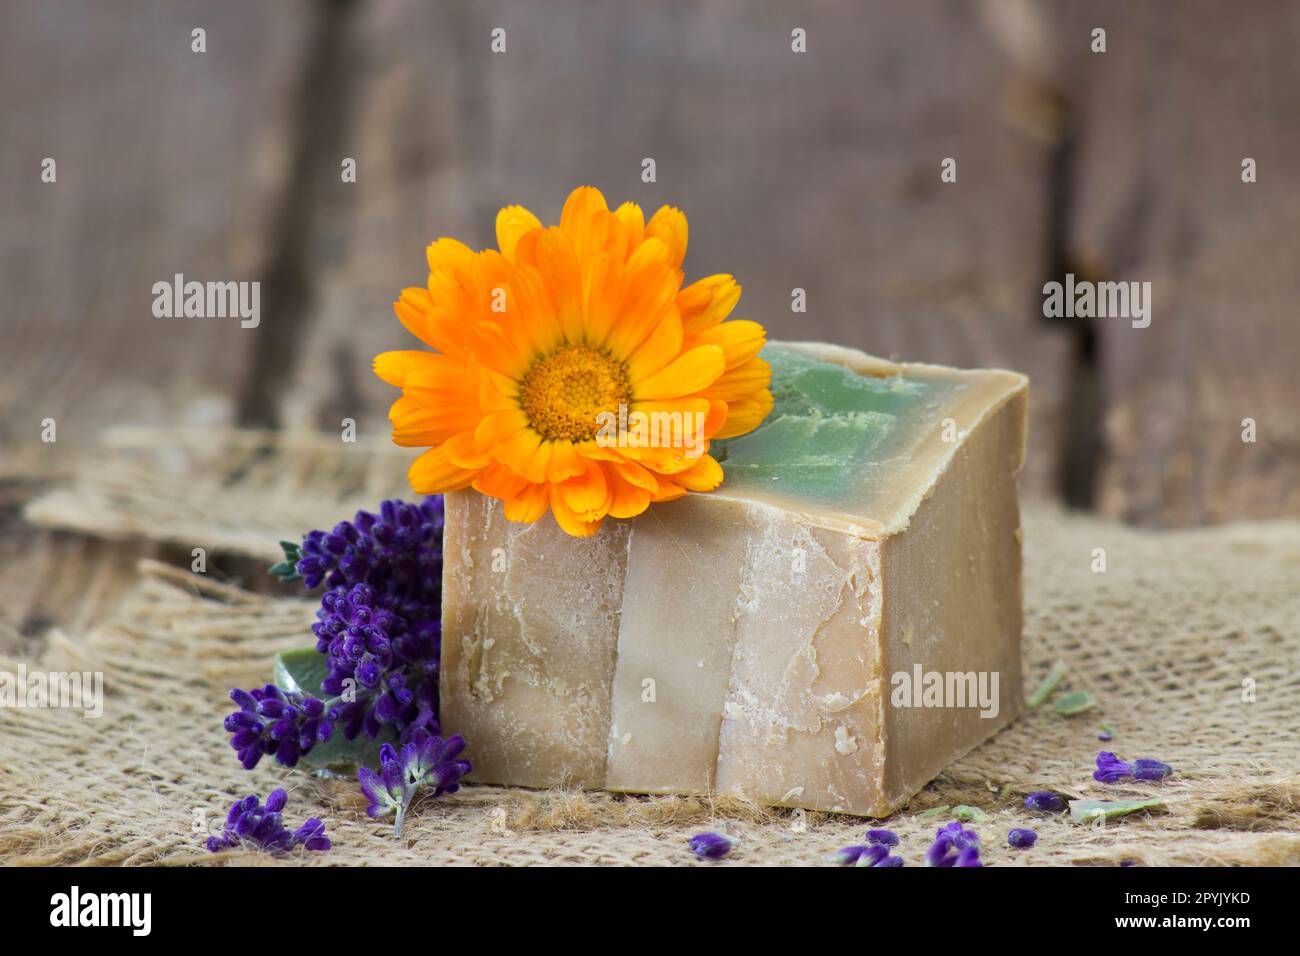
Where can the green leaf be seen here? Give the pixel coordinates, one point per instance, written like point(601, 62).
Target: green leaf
point(287, 570)
point(969, 814)
point(1076, 703)
point(1084, 811)
point(1047, 686)
point(940, 811)
point(303, 669)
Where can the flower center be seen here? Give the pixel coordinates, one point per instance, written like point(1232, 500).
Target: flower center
point(563, 393)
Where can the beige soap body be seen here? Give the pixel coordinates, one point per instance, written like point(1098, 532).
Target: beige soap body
point(756, 639)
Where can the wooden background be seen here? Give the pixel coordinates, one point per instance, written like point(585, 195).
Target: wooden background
point(817, 170)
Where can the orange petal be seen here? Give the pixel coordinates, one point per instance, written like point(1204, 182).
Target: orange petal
point(416, 425)
point(499, 426)
point(565, 517)
point(498, 481)
point(587, 495)
point(593, 451)
point(660, 347)
point(634, 474)
point(746, 415)
point(584, 220)
point(433, 474)
point(739, 339)
point(741, 382)
point(496, 393)
point(416, 311)
point(463, 452)
point(704, 475)
point(565, 461)
point(707, 302)
point(669, 224)
point(680, 424)
point(448, 254)
point(536, 467)
point(627, 500)
point(605, 284)
point(513, 222)
point(668, 491)
point(527, 505)
point(395, 367)
point(518, 451)
point(649, 294)
point(631, 216)
point(532, 312)
point(691, 372)
point(558, 266)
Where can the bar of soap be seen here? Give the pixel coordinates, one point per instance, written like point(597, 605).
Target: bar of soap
point(829, 629)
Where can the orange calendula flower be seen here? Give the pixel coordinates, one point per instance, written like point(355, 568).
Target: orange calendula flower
point(571, 370)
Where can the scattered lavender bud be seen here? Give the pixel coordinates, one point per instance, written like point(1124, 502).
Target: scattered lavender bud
point(873, 855)
point(882, 837)
point(968, 857)
point(1110, 769)
point(711, 846)
point(1044, 801)
point(1022, 839)
point(249, 823)
point(849, 855)
point(954, 846)
point(878, 855)
point(1144, 769)
point(1104, 733)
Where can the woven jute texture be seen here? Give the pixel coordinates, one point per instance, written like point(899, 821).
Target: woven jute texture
point(1190, 641)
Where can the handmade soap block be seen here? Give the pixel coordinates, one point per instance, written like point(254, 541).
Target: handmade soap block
point(829, 629)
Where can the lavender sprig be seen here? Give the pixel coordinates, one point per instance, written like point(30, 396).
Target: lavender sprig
point(426, 761)
point(249, 823)
point(379, 627)
point(272, 721)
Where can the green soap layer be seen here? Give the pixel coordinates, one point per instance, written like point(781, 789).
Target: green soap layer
point(831, 431)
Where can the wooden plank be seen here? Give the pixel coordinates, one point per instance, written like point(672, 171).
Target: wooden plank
point(167, 161)
point(816, 170)
point(1166, 115)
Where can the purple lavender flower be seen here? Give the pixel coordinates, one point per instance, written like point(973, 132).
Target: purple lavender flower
point(954, 846)
point(390, 663)
point(1110, 769)
point(711, 846)
point(379, 626)
point(272, 721)
point(882, 837)
point(425, 761)
point(1022, 839)
point(398, 552)
point(249, 823)
point(1044, 801)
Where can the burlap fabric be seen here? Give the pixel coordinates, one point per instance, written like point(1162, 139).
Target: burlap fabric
point(1165, 638)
